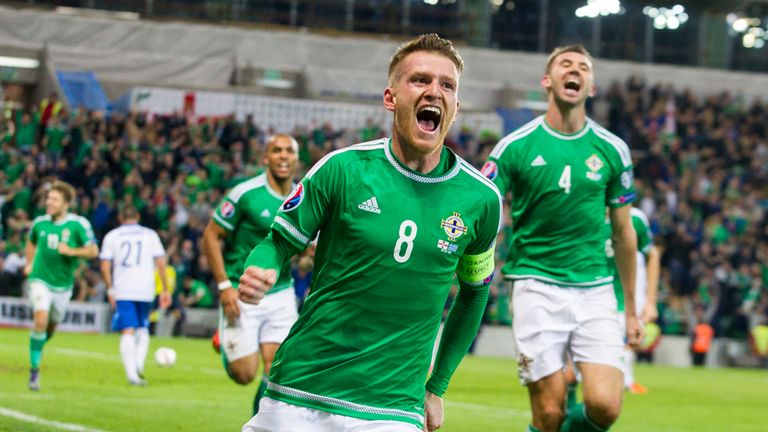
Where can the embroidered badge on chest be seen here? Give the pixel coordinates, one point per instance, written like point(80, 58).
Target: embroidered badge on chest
point(454, 226)
point(594, 163)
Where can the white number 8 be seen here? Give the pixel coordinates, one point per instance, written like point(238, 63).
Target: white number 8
point(406, 239)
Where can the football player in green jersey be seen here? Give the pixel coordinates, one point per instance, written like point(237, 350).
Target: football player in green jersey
point(396, 219)
point(57, 242)
point(241, 221)
point(562, 170)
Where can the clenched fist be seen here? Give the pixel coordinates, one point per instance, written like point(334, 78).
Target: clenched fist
point(255, 282)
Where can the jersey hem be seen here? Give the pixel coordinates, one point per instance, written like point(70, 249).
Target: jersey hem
point(340, 406)
point(564, 284)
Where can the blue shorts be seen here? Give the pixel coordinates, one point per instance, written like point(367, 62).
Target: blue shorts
point(131, 314)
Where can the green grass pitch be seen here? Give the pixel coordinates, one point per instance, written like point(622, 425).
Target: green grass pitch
point(84, 389)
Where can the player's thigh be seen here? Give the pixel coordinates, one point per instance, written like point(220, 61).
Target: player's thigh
point(542, 322)
point(598, 338)
point(240, 337)
point(40, 296)
point(126, 315)
point(276, 416)
point(278, 315)
point(143, 309)
point(59, 303)
point(603, 386)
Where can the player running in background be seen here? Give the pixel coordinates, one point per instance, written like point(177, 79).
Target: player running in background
point(129, 256)
point(242, 221)
point(397, 218)
point(646, 290)
point(563, 169)
point(57, 241)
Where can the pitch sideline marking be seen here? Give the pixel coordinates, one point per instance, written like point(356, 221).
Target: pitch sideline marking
point(18, 415)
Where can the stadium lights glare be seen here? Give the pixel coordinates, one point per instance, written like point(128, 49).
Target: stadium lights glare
point(754, 36)
point(595, 8)
point(19, 62)
point(666, 18)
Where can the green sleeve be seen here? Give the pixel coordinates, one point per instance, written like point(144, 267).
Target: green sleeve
point(227, 215)
point(33, 234)
point(272, 253)
point(459, 331)
point(644, 235)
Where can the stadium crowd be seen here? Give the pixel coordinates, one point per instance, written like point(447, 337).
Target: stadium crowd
point(701, 167)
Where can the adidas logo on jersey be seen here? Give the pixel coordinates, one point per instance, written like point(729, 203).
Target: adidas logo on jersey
point(539, 161)
point(266, 213)
point(370, 205)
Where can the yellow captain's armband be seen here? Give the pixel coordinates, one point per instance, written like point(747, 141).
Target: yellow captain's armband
point(476, 269)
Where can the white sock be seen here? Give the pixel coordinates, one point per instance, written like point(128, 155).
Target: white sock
point(128, 354)
point(142, 347)
point(629, 367)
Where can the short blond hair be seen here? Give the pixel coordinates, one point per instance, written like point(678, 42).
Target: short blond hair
point(429, 42)
point(65, 189)
point(577, 48)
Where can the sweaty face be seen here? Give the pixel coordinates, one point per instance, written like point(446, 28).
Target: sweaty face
point(424, 97)
point(282, 157)
point(571, 79)
point(55, 205)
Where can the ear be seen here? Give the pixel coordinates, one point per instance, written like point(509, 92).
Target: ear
point(593, 91)
point(389, 99)
point(546, 82)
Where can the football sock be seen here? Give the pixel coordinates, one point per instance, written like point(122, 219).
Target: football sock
point(578, 421)
point(570, 400)
point(128, 354)
point(629, 366)
point(142, 347)
point(36, 342)
point(259, 395)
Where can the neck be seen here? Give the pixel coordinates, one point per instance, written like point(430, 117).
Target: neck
point(131, 222)
point(283, 187)
point(58, 216)
point(564, 118)
point(420, 162)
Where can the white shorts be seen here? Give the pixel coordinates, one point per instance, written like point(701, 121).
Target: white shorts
point(551, 321)
point(266, 322)
point(276, 416)
point(53, 302)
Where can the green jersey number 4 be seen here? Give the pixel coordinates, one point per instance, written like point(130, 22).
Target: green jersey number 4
point(404, 244)
point(565, 179)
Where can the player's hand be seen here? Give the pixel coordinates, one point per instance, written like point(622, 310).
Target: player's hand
point(27, 269)
point(650, 313)
point(164, 301)
point(635, 331)
point(64, 249)
point(433, 412)
point(255, 282)
point(229, 304)
point(112, 302)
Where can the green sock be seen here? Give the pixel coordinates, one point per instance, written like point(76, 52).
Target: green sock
point(36, 342)
point(578, 421)
point(570, 402)
point(259, 395)
point(531, 429)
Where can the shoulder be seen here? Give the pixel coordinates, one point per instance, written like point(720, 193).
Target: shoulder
point(613, 142)
point(517, 137)
point(79, 220)
point(349, 154)
point(241, 189)
point(486, 188)
point(40, 220)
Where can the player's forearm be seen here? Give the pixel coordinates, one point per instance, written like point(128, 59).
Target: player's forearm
point(87, 252)
point(653, 270)
point(211, 245)
point(106, 273)
point(459, 331)
point(625, 247)
point(29, 251)
point(271, 253)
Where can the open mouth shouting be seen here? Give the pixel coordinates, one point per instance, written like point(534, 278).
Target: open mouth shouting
point(572, 86)
point(428, 118)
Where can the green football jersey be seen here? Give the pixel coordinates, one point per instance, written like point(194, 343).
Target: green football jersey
point(560, 186)
point(247, 213)
point(51, 268)
point(644, 245)
point(390, 241)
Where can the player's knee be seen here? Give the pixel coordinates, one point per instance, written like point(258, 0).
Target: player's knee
point(241, 376)
point(551, 416)
point(604, 412)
